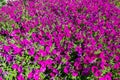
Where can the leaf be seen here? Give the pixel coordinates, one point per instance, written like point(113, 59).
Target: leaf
point(53, 46)
point(107, 69)
point(94, 34)
point(97, 52)
point(63, 60)
point(69, 77)
point(79, 42)
point(117, 3)
point(42, 75)
point(32, 30)
point(2, 38)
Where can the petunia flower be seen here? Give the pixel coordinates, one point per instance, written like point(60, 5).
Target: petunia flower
point(54, 51)
point(47, 49)
point(20, 69)
point(16, 49)
point(1, 78)
point(85, 71)
point(116, 66)
point(20, 77)
point(108, 77)
point(42, 53)
point(0, 70)
point(36, 57)
point(74, 73)
point(42, 68)
point(30, 75)
point(66, 69)
point(48, 61)
point(94, 69)
point(102, 78)
point(78, 49)
point(36, 74)
point(52, 74)
point(15, 66)
point(55, 70)
point(6, 48)
point(9, 58)
point(98, 73)
point(117, 58)
point(31, 51)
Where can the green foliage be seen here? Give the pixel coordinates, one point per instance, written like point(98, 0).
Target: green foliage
point(2, 38)
point(11, 75)
point(107, 69)
point(6, 26)
point(27, 17)
point(42, 75)
point(2, 2)
point(117, 3)
point(6, 67)
point(97, 52)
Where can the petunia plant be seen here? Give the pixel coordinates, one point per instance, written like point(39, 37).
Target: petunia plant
point(60, 40)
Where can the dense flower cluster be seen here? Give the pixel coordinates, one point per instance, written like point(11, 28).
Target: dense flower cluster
point(60, 39)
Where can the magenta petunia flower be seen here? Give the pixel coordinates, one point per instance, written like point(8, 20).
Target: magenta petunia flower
point(74, 73)
point(49, 35)
point(108, 77)
point(31, 51)
point(20, 69)
point(36, 74)
point(1, 78)
point(0, 70)
point(25, 42)
point(36, 57)
point(6, 48)
point(47, 49)
point(86, 71)
point(102, 65)
point(54, 51)
point(42, 53)
point(94, 69)
point(102, 78)
point(15, 66)
point(48, 61)
point(42, 68)
point(16, 49)
point(66, 69)
point(52, 74)
point(8, 58)
point(55, 70)
point(20, 77)
point(117, 58)
point(30, 75)
point(116, 66)
point(78, 49)
point(98, 73)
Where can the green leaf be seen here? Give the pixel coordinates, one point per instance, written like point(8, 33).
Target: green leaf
point(56, 78)
point(117, 3)
point(94, 34)
point(97, 52)
point(26, 71)
point(107, 69)
point(2, 38)
point(32, 30)
point(42, 75)
point(63, 60)
point(53, 46)
point(12, 41)
point(79, 42)
point(59, 67)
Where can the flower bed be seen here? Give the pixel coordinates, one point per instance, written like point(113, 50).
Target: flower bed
point(60, 40)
